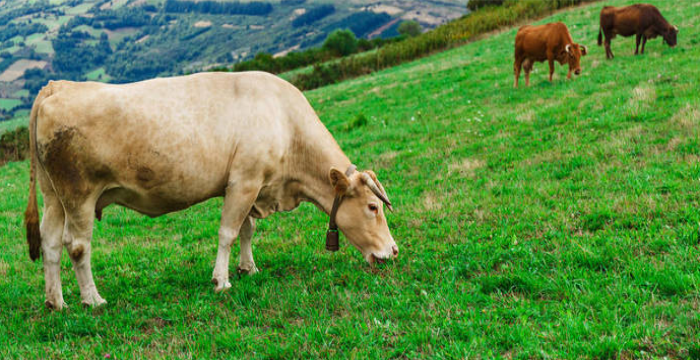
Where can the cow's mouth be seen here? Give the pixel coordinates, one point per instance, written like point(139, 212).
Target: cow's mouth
point(378, 259)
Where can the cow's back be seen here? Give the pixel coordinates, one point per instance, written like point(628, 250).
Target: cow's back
point(173, 138)
point(533, 42)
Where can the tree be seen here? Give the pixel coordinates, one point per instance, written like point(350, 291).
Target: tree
point(410, 28)
point(341, 43)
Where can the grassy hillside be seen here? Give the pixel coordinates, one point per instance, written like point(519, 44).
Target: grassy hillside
point(556, 221)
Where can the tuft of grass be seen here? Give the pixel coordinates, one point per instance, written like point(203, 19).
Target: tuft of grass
point(360, 120)
point(556, 221)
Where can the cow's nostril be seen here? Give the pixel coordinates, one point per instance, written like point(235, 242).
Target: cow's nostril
point(578, 72)
point(395, 250)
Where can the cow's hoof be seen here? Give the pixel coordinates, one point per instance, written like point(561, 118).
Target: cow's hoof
point(247, 269)
point(220, 285)
point(94, 303)
point(51, 305)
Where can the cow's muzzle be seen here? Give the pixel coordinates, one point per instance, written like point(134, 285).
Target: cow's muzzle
point(577, 71)
point(381, 259)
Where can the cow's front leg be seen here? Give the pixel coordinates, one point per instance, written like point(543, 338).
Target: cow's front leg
point(246, 263)
point(608, 49)
point(238, 201)
point(636, 48)
point(644, 43)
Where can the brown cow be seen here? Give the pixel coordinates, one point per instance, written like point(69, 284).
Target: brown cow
point(643, 20)
point(546, 42)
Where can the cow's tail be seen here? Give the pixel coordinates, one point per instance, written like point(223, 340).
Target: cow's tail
point(600, 36)
point(31, 215)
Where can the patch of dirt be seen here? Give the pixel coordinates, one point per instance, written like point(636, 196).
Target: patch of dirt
point(287, 51)
point(687, 118)
point(642, 97)
point(381, 29)
point(466, 167)
point(16, 70)
point(526, 116)
point(379, 8)
point(137, 3)
point(202, 24)
point(431, 202)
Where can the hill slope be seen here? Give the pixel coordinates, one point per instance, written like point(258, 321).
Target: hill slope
point(130, 40)
point(554, 221)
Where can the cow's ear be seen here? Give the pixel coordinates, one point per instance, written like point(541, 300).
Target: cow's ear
point(584, 50)
point(340, 182)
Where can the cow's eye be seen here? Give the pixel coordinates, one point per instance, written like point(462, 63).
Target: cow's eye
point(373, 208)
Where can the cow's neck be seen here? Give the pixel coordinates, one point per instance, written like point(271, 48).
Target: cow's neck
point(314, 169)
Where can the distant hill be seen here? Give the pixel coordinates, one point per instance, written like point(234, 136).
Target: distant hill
point(130, 40)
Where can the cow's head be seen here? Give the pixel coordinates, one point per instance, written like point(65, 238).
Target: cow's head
point(670, 36)
point(360, 215)
point(573, 53)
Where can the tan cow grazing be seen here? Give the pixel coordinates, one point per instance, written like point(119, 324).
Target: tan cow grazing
point(546, 42)
point(162, 145)
point(642, 20)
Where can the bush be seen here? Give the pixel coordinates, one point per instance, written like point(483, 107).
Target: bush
point(341, 43)
point(474, 5)
point(14, 145)
point(410, 28)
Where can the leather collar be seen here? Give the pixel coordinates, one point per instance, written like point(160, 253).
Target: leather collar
point(332, 236)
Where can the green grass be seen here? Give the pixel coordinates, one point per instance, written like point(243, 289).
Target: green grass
point(556, 221)
point(8, 104)
point(98, 75)
point(21, 93)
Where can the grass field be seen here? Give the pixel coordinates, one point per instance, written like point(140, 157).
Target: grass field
point(8, 104)
point(556, 221)
point(98, 75)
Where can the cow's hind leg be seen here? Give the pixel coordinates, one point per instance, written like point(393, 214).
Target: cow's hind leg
point(517, 68)
point(644, 43)
point(238, 201)
point(246, 263)
point(77, 239)
point(527, 66)
point(52, 233)
point(637, 40)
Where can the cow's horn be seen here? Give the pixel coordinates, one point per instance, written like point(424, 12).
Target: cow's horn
point(373, 185)
point(567, 48)
point(675, 28)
